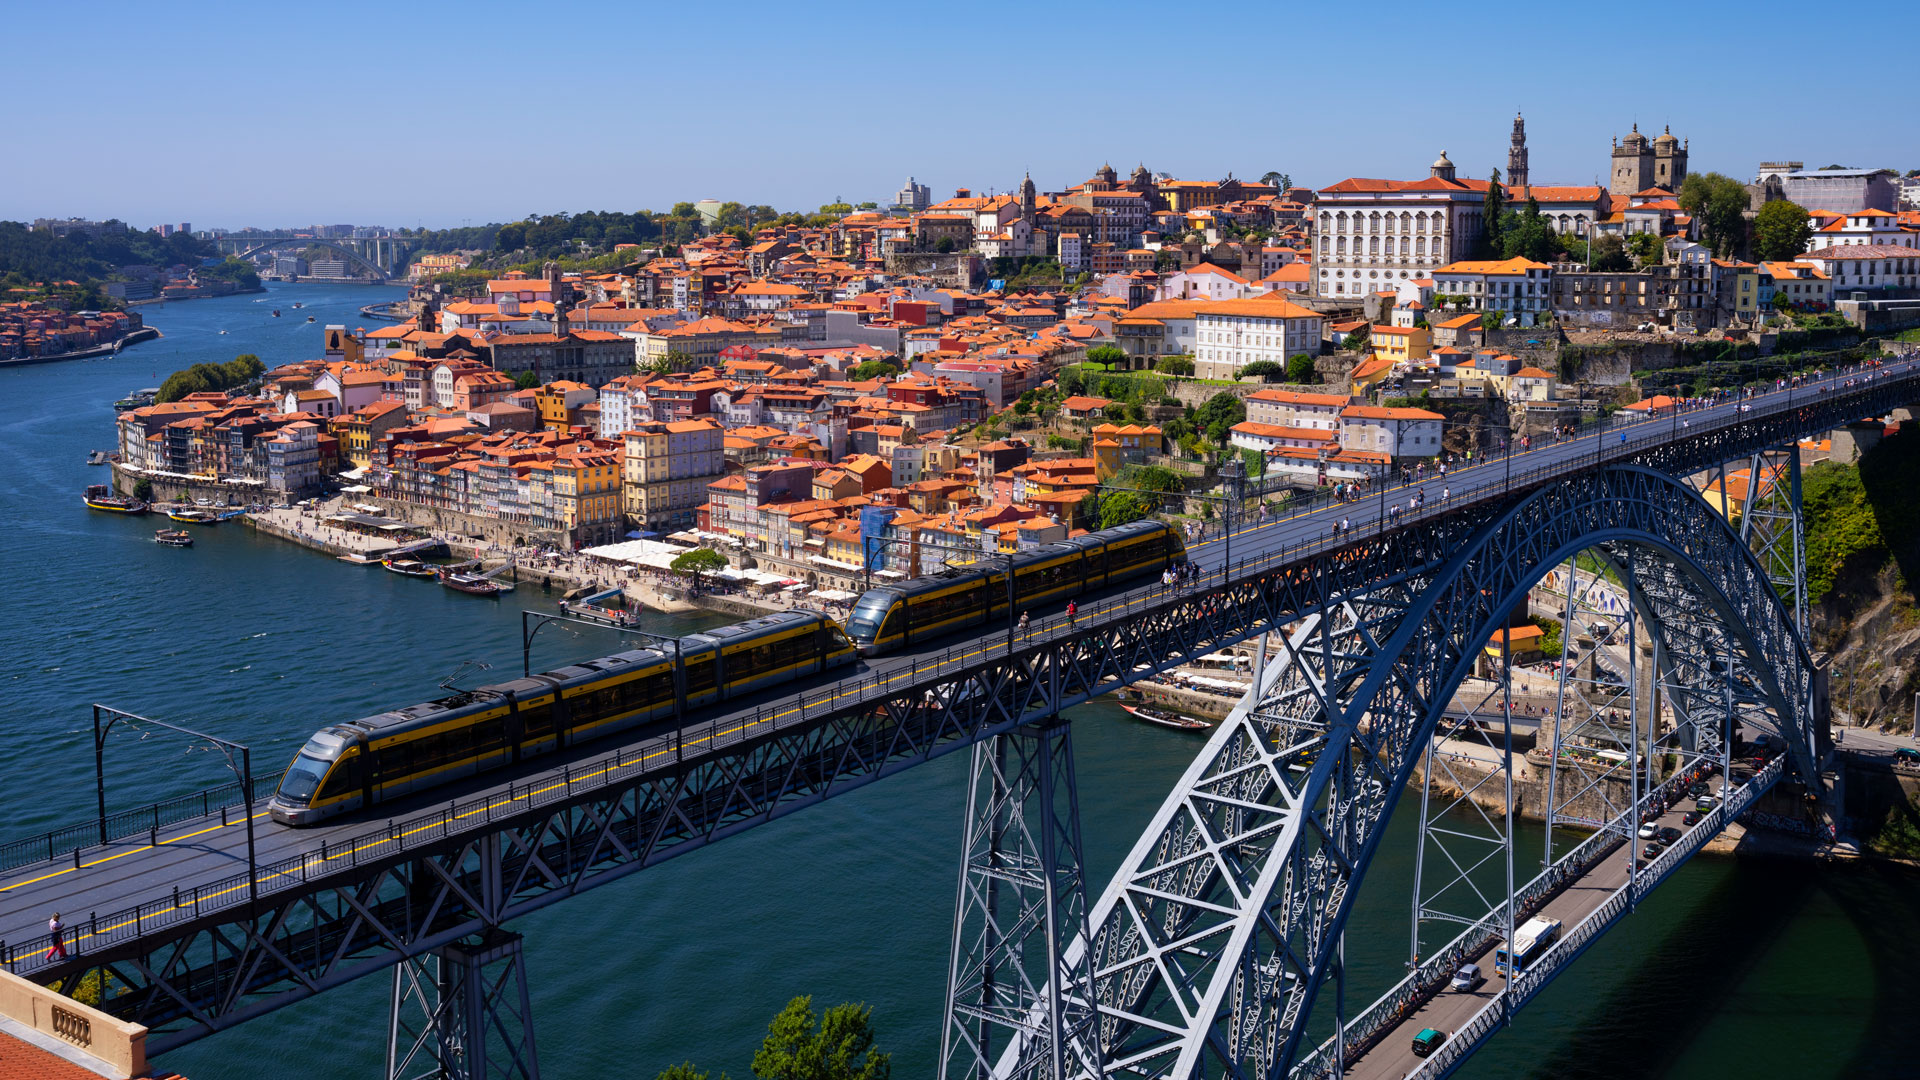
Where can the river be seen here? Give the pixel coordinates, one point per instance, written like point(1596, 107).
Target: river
point(1735, 967)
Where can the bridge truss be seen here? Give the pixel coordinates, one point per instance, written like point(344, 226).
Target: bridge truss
point(1206, 954)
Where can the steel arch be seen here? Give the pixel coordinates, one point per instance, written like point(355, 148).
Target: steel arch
point(1210, 945)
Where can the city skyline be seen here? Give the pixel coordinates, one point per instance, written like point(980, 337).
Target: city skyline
point(304, 151)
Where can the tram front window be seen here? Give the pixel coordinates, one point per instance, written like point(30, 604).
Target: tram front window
point(867, 616)
point(302, 779)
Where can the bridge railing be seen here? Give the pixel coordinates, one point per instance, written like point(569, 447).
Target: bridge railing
point(1534, 978)
point(70, 841)
point(672, 750)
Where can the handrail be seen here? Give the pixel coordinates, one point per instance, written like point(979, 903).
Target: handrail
point(671, 750)
point(71, 840)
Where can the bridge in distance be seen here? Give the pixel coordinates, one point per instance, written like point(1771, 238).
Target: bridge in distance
point(1207, 954)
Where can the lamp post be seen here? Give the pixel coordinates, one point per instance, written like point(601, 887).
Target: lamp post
point(1233, 480)
point(242, 771)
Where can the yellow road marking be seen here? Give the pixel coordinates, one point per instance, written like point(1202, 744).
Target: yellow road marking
point(124, 854)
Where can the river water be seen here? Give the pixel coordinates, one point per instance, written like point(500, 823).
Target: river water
point(1735, 967)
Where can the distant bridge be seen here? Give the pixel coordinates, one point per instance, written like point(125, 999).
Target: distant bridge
point(382, 257)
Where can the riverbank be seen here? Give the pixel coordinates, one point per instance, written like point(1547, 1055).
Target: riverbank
point(145, 333)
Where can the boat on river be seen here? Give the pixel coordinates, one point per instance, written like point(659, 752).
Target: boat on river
point(410, 568)
point(136, 400)
point(193, 515)
point(101, 497)
point(173, 537)
point(471, 584)
point(1167, 719)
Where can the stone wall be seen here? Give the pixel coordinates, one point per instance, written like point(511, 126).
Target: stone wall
point(167, 490)
point(451, 523)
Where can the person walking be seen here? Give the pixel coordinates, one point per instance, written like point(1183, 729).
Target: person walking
point(55, 929)
point(1023, 622)
point(1073, 609)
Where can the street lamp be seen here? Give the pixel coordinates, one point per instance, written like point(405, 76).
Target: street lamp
point(242, 771)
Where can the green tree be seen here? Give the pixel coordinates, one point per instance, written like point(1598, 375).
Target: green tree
point(1356, 341)
point(1300, 368)
point(1220, 433)
point(1256, 462)
point(1609, 255)
point(840, 1049)
point(1262, 369)
point(1720, 202)
point(684, 1071)
point(1151, 478)
point(143, 489)
point(1781, 302)
point(1781, 230)
point(1223, 408)
point(525, 380)
point(1106, 354)
point(1022, 408)
point(1646, 249)
point(696, 562)
point(874, 369)
point(1527, 235)
point(1491, 320)
point(1277, 179)
point(944, 245)
point(1174, 365)
point(1491, 242)
point(1116, 509)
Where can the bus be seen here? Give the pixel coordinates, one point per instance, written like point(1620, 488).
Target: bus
point(1529, 941)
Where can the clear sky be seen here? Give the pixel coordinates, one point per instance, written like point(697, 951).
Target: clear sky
point(404, 113)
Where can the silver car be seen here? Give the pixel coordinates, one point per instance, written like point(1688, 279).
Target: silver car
point(1467, 978)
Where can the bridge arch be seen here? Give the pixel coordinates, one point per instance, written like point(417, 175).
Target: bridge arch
point(352, 256)
point(1210, 947)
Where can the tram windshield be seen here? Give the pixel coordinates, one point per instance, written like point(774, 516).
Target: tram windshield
point(302, 778)
point(867, 616)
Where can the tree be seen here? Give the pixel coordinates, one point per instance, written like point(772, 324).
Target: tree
point(1720, 202)
point(1781, 303)
point(1491, 242)
point(842, 1048)
point(525, 380)
point(684, 1071)
point(874, 369)
point(1116, 509)
point(1277, 179)
point(1262, 369)
point(1152, 478)
point(1527, 235)
point(1608, 255)
point(1256, 463)
point(1781, 230)
point(1492, 320)
point(1646, 249)
point(1223, 408)
point(1174, 365)
point(1300, 368)
point(697, 562)
point(944, 245)
point(1116, 412)
point(1356, 341)
point(1022, 408)
point(1106, 354)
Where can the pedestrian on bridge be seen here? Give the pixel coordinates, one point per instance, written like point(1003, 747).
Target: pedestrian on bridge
point(1073, 609)
point(54, 930)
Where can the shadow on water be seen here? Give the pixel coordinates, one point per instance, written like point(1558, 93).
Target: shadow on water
point(1880, 901)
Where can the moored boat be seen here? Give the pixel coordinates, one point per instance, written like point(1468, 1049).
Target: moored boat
point(472, 584)
point(173, 537)
point(410, 568)
point(1167, 719)
point(101, 497)
point(193, 515)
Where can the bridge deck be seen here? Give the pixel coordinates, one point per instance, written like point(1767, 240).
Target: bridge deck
point(117, 877)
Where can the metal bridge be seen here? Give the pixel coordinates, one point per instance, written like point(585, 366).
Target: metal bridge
point(380, 256)
point(1216, 950)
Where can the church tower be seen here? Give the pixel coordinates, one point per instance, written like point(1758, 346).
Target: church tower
point(1669, 161)
point(1028, 197)
point(1632, 165)
point(1517, 155)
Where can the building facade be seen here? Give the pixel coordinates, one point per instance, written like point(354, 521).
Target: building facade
point(1374, 234)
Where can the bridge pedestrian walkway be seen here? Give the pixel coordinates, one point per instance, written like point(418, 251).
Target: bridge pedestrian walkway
point(1587, 890)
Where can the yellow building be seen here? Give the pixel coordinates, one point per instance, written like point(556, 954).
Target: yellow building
point(559, 402)
point(1401, 344)
point(586, 495)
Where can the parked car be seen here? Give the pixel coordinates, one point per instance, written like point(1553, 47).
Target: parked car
point(1650, 830)
point(1428, 1041)
point(1467, 978)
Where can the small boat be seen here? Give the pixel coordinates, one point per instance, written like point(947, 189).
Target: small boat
point(471, 584)
point(223, 332)
point(276, 313)
point(1167, 719)
point(173, 537)
point(135, 400)
point(309, 319)
point(298, 304)
point(101, 497)
point(410, 568)
point(193, 515)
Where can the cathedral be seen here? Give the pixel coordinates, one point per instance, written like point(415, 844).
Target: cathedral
point(1640, 163)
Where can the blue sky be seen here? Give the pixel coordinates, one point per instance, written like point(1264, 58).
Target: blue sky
point(403, 114)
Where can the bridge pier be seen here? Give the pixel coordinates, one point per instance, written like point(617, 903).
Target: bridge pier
point(1019, 1001)
point(461, 1012)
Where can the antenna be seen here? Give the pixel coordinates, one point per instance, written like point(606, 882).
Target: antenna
point(447, 683)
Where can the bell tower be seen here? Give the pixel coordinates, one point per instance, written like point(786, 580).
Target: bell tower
point(1517, 154)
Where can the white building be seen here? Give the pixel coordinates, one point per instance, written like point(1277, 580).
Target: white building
point(1521, 288)
point(1570, 211)
point(1373, 234)
point(1231, 334)
point(1861, 228)
point(1395, 432)
point(1204, 281)
point(1291, 408)
point(622, 402)
point(1875, 266)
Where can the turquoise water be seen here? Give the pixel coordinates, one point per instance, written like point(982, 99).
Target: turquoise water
point(1735, 968)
